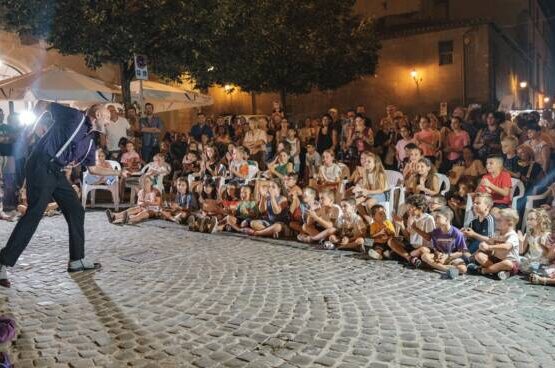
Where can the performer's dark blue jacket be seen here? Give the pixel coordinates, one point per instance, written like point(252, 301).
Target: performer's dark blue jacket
point(71, 129)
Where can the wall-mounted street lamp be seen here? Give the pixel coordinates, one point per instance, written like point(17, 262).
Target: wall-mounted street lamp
point(416, 77)
point(229, 89)
point(523, 84)
point(546, 99)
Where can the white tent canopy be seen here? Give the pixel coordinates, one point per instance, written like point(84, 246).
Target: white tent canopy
point(56, 83)
point(168, 98)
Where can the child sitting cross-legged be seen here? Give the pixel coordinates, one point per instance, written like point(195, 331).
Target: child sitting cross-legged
point(184, 203)
point(320, 221)
point(500, 255)
point(411, 245)
point(300, 207)
point(381, 231)
point(148, 206)
point(350, 229)
point(242, 214)
point(448, 245)
point(535, 246)
point(482, 227)
point(274, 210)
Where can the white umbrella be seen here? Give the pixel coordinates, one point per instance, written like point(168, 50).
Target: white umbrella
point(56, 83)
point(168, 98)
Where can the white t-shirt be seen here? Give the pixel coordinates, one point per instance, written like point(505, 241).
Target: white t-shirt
point(115, 130)
point(512, 238)
point(425, 223)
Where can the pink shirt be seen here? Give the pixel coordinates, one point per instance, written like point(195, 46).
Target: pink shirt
point(457, 141)
point(428, 137)
point(127, 157)
point(400, 148)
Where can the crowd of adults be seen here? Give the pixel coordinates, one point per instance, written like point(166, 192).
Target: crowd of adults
point(328, 181)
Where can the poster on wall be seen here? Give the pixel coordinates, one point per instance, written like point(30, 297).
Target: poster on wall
point(443, 109)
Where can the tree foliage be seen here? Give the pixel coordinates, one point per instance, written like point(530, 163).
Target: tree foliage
point(287, 46)
point(169, 33)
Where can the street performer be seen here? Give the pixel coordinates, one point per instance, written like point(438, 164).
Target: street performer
point(69, 141)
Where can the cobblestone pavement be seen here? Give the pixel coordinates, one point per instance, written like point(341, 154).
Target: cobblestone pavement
point(171, 298)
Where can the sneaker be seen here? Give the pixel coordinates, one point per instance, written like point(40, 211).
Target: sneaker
point(503, 275)
point(212, 225)
point(415, 262)
point(452, 273)
point(473, 268)
point(4, 277)
point(387, 254)
point(203, 226)
point(82, 265)
point(374, 255)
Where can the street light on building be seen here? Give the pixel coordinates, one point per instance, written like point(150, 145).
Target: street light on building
point(546, 99)
point(415, 77)
point(523, 84)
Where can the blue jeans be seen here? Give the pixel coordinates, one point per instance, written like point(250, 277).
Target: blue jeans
point(148, 152)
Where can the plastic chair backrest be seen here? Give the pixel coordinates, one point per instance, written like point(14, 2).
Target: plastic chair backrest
point(394, 178)
point(443, 182)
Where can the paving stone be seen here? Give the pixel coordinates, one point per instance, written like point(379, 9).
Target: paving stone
point(167, 297)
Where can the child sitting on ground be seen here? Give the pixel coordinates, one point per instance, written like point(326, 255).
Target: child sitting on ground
point(274, 210)
point(184, 203)
point(448, 245)
point(381, 231)
point(500, 256)
point(320, 221)
point(411, 245)
point(350, 228)
point(148, 206)
point(482, 227)
point(299, 209)
point(534, 245)
point(242, 214)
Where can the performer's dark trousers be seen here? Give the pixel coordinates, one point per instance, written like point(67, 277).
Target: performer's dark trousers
point(46, 181)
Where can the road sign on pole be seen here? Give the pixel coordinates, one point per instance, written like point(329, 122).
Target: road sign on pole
point(141, 70)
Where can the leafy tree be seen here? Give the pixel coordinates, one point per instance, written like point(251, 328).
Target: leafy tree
point(169, 33)
point(286, 46)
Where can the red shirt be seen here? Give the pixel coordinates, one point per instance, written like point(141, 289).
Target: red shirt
point(503, 180)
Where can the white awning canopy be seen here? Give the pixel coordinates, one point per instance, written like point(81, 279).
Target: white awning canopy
point(168, 98)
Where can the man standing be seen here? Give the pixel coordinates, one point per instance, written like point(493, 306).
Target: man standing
point(69, 141)
point(6, 140)
point(201, 127)
point(116, 128)
point(151, 127)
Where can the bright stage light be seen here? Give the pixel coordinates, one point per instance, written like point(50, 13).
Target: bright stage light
point(27, 117)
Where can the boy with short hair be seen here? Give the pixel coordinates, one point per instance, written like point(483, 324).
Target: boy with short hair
point(448, 245)
point(299, 209)
point(350, 228)
point(510, 158)
point(496, 182)
point(482, 226)
point(500, 256)
point(313, 160)
point(411, 245)
point(414, 154)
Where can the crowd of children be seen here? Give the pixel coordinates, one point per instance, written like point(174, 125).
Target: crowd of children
point(327, 183)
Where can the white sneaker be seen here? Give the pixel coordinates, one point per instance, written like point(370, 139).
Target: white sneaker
point(374, 255)
point(82, 265)
point(503, 275)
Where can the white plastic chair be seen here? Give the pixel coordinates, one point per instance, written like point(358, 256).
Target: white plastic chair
point(443, 182)
point(395, 183)
point(159, 185)
point(92, 188)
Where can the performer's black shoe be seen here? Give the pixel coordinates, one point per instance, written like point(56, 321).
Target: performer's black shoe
point(4, 282)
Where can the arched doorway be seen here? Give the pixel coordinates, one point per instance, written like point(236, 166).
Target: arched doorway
point(8, 71)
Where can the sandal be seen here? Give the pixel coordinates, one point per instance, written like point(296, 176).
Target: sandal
point(327, 245)
point(248, 231)
point(535, 279)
